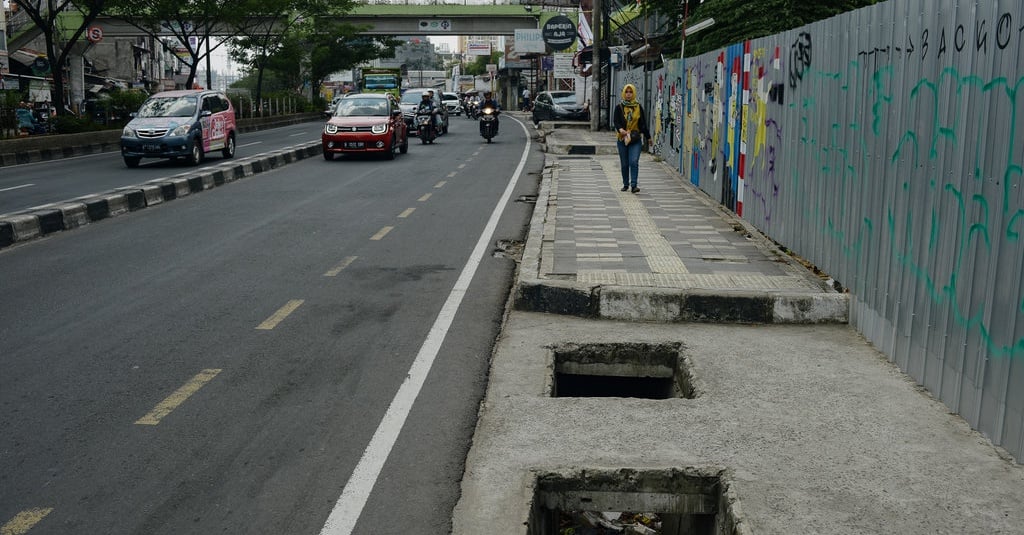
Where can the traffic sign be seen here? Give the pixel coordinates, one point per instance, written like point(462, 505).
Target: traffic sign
point(94, 34)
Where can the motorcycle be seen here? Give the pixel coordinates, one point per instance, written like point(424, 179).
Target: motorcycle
point(425, 128)
point(28, 124)
point(472, 109)
point(488, 122)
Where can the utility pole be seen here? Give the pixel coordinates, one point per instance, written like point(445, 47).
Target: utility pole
point(597, 23)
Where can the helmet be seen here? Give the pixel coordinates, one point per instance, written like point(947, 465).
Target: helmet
point(425, 95)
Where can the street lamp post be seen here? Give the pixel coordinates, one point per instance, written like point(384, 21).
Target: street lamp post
point(704, 24)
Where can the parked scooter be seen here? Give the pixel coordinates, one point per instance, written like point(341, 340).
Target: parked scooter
point(489, 122)
point(28, 124)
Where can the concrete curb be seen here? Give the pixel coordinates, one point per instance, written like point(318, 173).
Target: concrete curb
point(534, 293)
point(66, 215)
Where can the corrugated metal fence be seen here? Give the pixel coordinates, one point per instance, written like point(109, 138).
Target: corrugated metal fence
point(884, 145)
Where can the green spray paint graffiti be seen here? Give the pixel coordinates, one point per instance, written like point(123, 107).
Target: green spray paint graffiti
point(939, 107)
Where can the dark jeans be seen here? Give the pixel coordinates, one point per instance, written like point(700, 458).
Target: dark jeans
point(629, 160)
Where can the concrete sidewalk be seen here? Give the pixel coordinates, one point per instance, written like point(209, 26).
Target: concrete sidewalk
point(634, 374)
point(667, 253)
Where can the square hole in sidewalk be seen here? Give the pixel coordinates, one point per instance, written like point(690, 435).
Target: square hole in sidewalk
point(673, 501)
point(627, 370)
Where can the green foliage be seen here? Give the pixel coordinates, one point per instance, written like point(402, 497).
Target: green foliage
point(11, 98)
point(739, 20)
point(126, 100)
point(69, 124)
point(479, 66)
point(201, 20)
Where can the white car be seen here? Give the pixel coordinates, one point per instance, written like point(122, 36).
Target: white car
point(451, 103)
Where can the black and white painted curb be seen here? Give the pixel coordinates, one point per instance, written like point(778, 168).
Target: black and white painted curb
point(28, 225)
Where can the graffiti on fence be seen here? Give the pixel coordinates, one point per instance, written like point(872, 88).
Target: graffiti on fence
point(799, 58)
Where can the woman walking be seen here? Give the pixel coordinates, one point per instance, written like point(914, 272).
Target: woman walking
point(632, 133)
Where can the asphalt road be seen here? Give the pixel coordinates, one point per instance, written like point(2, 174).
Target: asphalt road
point(220, 364)
point(36, 184)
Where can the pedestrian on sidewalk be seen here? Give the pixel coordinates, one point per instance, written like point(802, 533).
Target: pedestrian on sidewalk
point(632, 134)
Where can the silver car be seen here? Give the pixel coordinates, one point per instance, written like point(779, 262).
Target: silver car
point(451, 103)
point(411, 100)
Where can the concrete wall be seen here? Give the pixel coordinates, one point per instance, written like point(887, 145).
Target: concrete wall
point(885, 145)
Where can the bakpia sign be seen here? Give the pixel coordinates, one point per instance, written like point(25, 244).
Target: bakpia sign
point(559, 32)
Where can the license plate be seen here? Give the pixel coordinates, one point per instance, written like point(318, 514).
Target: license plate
point(353, 144)
point(151, 148)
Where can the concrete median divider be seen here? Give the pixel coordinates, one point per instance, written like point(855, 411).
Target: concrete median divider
point(32, 149)
point(66, 215)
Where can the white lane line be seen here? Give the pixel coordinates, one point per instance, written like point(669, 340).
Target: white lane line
point(248, 144)
point(349, 506)
point(17, 187)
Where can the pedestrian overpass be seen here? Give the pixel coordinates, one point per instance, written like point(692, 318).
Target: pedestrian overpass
point(444, 19)
point(408, 18)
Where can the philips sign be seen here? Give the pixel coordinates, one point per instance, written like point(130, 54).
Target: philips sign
point(528, 41)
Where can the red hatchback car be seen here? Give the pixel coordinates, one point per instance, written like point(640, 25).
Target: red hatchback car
point(365, 123)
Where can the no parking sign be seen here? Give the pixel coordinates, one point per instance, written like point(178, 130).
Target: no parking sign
point(94, 34)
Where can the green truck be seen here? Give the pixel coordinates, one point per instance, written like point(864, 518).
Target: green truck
point(381, 80)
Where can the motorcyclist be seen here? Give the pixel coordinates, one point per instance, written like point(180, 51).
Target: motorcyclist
point(438, 121)
point(490, 102)
point(427, 105)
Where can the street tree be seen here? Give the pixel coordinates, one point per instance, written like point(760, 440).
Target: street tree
point(308, 57)
point(478, 66)
point(286, 36)
point(200, 26)
point(62, 24)
point(739, 20)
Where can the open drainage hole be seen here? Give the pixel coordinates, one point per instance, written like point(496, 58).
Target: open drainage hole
point(627, 370)
point(654, 502)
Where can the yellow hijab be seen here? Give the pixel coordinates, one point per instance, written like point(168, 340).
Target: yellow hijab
point(630, 109)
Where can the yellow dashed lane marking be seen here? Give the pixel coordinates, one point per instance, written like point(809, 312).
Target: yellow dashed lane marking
point(425, 197)
point(442, 183)
point(344, 264)
point(406, 213)
point(23, 521)
point(381, 233)
point(178, 397)
point(281, 314)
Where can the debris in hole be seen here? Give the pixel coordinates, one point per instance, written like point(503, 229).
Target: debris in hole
point(600, 523)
